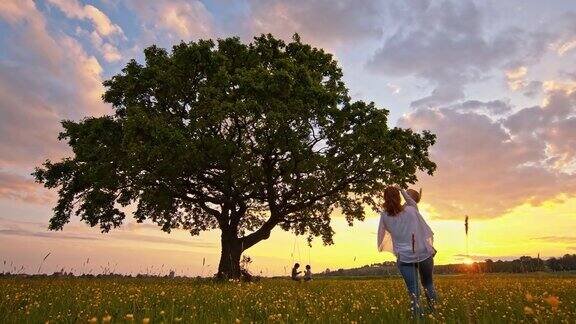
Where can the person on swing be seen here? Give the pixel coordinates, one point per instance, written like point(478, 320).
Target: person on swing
point(295, 273)
point(411, 241)
point(308, 273)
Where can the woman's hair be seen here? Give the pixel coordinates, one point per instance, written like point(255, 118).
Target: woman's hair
point(392, 204)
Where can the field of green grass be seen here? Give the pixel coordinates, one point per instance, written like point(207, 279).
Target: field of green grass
point(539, 298)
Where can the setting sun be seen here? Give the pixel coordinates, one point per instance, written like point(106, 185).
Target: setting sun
point(468, 261)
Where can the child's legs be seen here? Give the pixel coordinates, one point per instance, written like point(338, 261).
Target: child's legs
point(426, 269)
point(410, 275)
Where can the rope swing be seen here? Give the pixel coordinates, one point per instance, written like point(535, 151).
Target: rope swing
point(296, 249)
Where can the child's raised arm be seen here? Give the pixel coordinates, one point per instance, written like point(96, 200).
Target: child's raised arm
point(409, 199)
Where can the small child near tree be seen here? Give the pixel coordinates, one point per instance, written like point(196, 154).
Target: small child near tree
point(308, 273)
point(412, 198)
point(415, 195)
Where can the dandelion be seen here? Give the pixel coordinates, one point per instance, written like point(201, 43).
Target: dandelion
point(146, 320)
point(529, 297)
point(106, 319)
point(129, 317)
point(528, 310)
point(93, 320)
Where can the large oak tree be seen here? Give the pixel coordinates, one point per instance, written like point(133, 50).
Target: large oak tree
point(240, 137)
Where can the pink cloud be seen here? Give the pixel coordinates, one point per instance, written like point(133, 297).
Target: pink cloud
point(101, 22)
point(16, 187)
point(47, 76)
point(487, 166)
point(103, 27)
point(25, 15)
point(108, 51)
point(183, 20)
point(323, 23)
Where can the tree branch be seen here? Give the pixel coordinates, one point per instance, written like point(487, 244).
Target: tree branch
point(261, 234)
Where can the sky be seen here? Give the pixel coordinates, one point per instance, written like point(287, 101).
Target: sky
point(494, 80)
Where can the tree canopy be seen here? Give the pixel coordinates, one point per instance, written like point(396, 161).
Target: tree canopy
point(240, 137)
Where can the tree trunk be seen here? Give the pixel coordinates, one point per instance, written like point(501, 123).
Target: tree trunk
point(232, 248)
point(229, 267)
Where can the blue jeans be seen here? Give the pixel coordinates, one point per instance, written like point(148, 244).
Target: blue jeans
point(410, 273)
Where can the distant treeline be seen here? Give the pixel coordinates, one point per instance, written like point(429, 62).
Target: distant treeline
point(520, 265)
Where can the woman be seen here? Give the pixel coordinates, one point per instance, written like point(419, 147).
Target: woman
point(411, 240)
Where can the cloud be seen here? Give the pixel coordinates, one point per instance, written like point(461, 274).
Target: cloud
point(556, 239)
point(516, 77)
point(103, 26)
point(565, 42)
point(33, 100)
point(83, 233)
point(516, 81)
point(28, 125)
point(108, 51)
point(564, 47)
point(554, 85)
point(446, 44)
point(489, 108)
point(323, 23)
point(487, 165)
point(20, 232)
point(183, 20)
point(15, 187)
point(552, 127)
point(533, 88)
point(477, 258)
point(25, 15)
point(395, 89)
point(45, 76)
point(100, 21)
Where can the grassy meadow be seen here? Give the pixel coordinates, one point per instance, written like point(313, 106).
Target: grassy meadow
point(532, 298)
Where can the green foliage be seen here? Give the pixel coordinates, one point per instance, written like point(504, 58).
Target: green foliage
point(241, 137)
